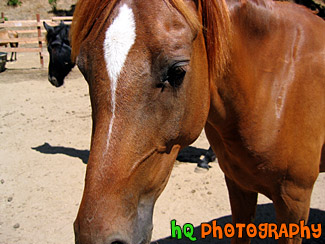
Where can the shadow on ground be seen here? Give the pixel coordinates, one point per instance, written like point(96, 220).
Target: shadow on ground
point(188, 154)
point(265, 214)
point(64, 12)
point(23, 75)
point(46, 148)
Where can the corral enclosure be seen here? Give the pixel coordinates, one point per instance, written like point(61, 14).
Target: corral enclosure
point(45, 136)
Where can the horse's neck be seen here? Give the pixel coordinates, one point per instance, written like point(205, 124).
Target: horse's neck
point(254, 16)
point(253, 28)
point(268, 44)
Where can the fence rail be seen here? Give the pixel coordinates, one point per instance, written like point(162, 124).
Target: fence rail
point(34, 31)
point(21, 50)
point(23, 39)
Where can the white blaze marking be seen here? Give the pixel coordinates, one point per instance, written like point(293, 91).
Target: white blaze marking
point(119, 39)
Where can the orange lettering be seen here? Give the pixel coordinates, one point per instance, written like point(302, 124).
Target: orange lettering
point(205, 230)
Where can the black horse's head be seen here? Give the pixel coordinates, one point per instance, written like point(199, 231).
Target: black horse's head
point(58, 45)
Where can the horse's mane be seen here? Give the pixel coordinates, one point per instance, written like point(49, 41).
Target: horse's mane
point(215, 21)
point(217, 31)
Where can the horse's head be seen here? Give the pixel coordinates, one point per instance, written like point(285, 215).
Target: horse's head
point(147, 68)
point(58, 45)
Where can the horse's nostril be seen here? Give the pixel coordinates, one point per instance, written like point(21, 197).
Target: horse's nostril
point(118, 242)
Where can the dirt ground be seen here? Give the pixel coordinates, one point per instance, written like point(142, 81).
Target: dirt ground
point(45, 136)
point(29, 8)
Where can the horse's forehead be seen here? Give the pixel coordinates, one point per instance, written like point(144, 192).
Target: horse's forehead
point(148, 14)
point(154, 14)
point(119, 38)
point(141, 22)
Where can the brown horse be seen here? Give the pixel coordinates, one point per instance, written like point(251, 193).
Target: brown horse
point(9, 34)
point(250, 71)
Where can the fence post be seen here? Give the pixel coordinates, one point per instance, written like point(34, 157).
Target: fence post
point(39, 34)
point(2, 19)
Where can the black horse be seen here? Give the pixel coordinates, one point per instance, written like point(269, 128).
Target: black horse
point(58, 46)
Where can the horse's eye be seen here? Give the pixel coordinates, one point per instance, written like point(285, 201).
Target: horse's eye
point(176, 74)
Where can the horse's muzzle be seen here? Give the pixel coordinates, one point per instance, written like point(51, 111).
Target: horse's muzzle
point(54, 81)
point(117, 239)
point(137, 233)
point(120, 240)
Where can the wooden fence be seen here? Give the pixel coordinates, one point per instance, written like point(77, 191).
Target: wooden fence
point(31, 34)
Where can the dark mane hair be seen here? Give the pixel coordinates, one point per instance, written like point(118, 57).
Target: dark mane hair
point(215, 23)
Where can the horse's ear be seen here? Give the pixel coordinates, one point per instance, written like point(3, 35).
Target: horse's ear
point(47, 27)
point(62, 23)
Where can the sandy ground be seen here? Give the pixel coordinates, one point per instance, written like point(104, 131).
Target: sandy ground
point(45, 135)
point(29, 8)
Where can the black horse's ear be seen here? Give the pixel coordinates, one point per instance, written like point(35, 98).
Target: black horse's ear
point(47, 27)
